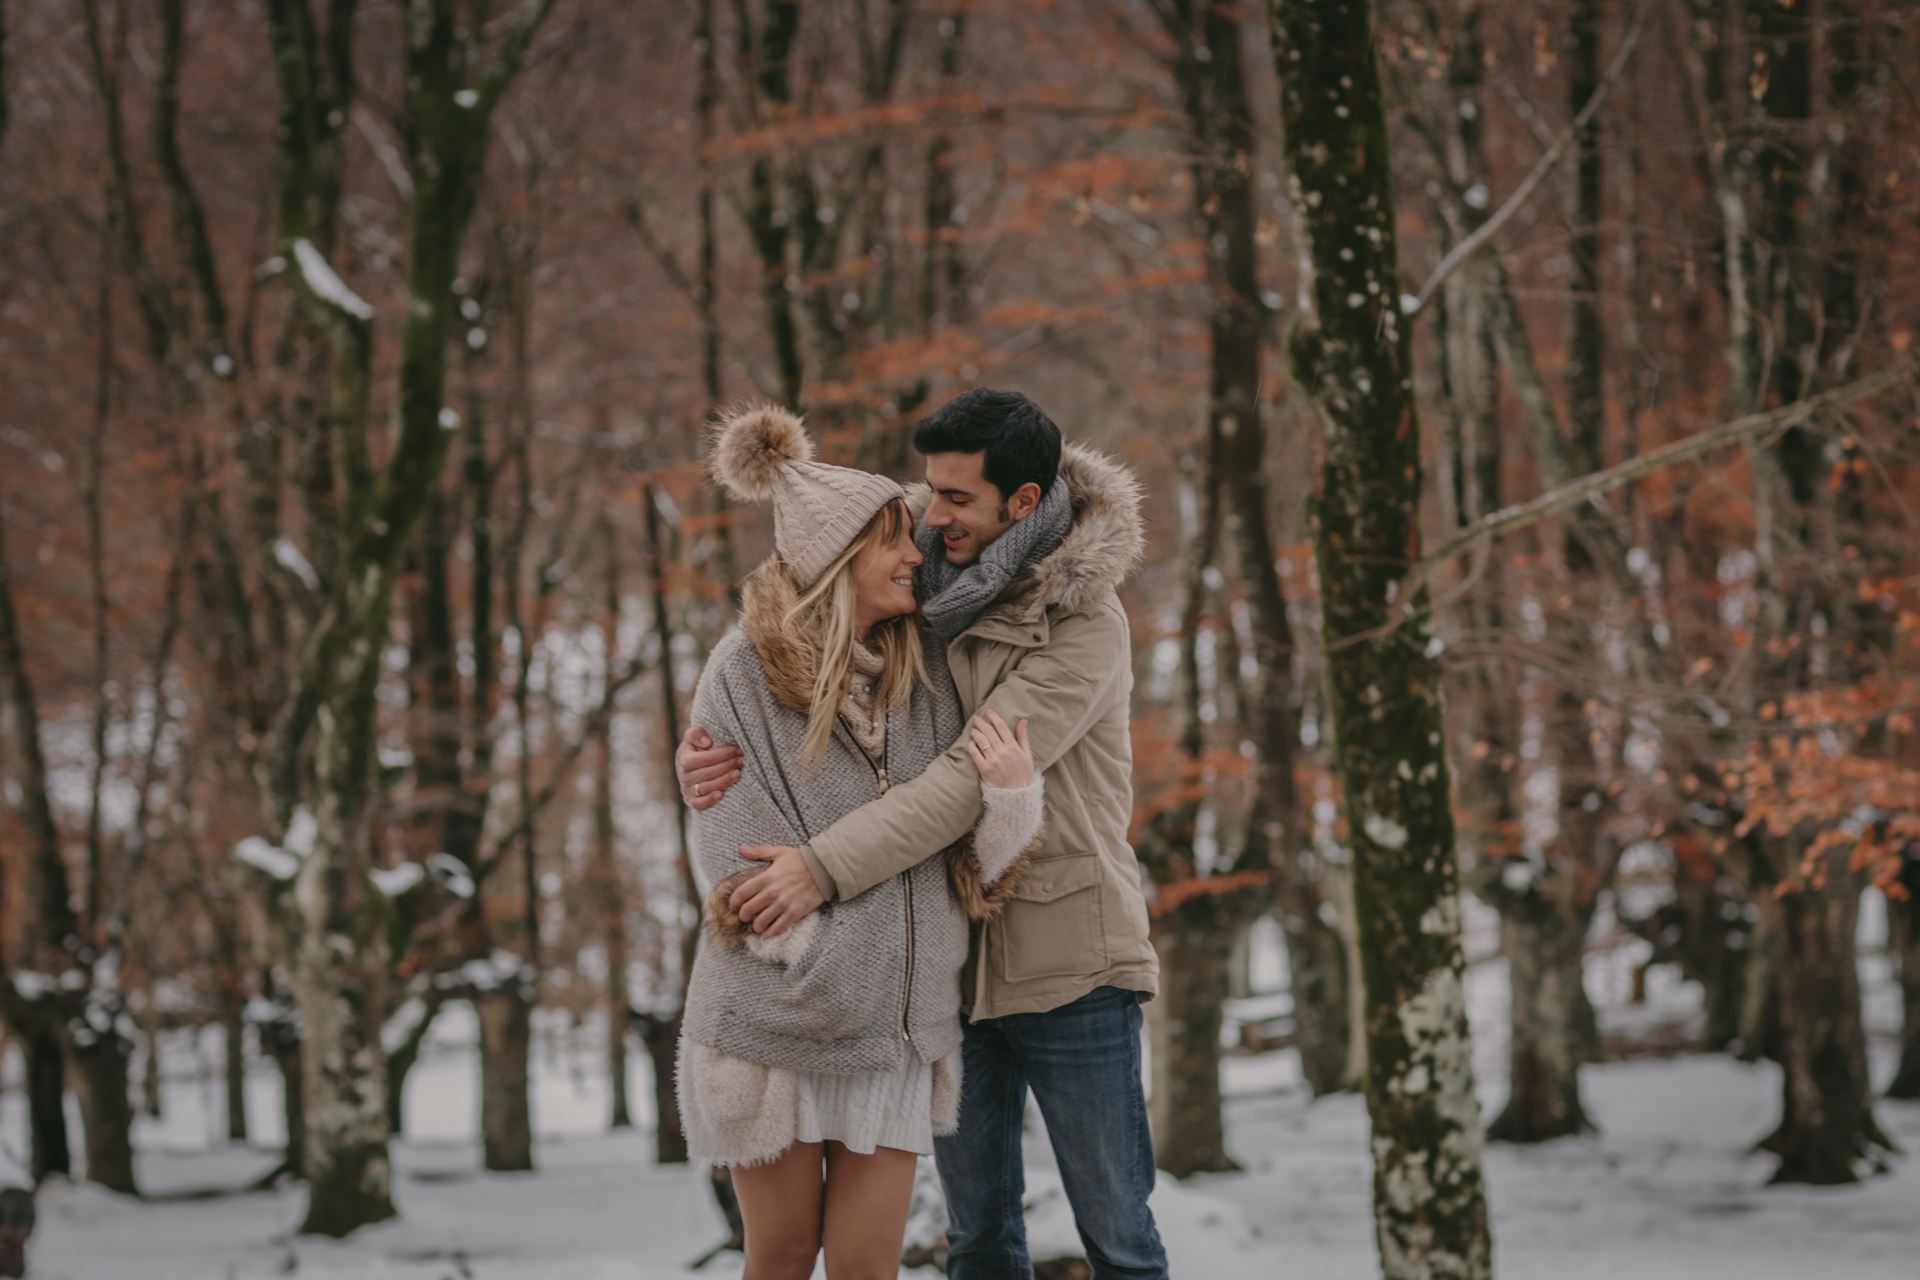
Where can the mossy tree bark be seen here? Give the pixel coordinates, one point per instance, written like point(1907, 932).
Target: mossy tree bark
point(1355, 364)
point(338, 926)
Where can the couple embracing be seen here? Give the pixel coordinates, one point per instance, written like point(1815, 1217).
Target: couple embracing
point(898, 947)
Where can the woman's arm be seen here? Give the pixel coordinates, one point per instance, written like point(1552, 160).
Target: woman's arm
point(1011, 793)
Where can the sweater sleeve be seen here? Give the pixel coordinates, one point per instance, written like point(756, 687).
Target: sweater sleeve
point(1011, 820)
point(1061, 690)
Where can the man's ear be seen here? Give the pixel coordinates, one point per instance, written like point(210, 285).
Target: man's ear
point(1024, 499)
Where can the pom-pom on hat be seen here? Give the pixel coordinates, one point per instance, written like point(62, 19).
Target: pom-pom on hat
point(761, 454)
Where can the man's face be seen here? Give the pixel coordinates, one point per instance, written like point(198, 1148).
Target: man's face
point(967, 507)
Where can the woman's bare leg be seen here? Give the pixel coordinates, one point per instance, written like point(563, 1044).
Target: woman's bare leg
point(867, 1201)
point(781, 1204)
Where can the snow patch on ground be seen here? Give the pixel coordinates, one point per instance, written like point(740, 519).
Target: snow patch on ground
point(1667, 1189)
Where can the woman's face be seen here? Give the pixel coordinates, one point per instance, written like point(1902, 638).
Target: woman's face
point(883, 580)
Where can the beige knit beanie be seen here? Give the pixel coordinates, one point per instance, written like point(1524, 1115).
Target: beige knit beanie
point(762, 454)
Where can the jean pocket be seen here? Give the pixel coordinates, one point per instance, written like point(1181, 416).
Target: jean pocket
point(1053, 925)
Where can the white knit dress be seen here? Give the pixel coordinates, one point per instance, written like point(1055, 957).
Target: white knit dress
point(872, 1109)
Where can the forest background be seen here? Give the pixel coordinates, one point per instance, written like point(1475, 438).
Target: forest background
point(356, 559)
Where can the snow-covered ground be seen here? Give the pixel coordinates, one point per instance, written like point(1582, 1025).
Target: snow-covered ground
point(1666, 1188)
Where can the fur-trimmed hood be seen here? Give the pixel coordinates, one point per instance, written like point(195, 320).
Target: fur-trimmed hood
point(1103, 546)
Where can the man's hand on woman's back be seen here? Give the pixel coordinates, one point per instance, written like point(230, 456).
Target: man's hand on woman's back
point(704, 770)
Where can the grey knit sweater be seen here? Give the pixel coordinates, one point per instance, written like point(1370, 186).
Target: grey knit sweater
point(880, 977)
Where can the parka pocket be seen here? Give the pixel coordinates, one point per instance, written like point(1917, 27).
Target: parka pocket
point(1053, 925)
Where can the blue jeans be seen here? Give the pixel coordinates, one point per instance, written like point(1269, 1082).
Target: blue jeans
point(1082, 1062)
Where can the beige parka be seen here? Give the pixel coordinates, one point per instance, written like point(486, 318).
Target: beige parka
point(1053, 650)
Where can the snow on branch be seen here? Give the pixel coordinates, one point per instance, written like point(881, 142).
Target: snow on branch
point(272, 859)
point(281, 861)
point(289, 558)
point(325, 285)
point(395, 881)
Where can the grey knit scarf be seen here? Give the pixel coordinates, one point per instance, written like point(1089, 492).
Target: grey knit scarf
point(956, 596)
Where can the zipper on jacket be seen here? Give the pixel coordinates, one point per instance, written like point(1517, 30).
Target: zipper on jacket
point(879, 768)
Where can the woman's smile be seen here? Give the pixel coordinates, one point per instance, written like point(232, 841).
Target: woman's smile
point(883, 579)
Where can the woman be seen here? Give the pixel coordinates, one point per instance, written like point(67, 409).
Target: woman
point(835, 1044)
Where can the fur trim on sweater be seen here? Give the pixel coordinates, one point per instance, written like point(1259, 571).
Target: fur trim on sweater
point(725, 926)
point(765, 600)
point(982, 901)
point(1002, 833)
point(736, 1111)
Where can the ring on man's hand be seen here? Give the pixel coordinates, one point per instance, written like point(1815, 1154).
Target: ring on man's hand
point(696, 789)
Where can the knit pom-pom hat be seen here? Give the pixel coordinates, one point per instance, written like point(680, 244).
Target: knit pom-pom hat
point(761, 454)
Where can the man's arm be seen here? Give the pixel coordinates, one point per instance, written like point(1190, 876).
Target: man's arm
point(1061, 690)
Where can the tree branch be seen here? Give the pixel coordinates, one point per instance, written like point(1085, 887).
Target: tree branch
point(1601, 482)
point(1473, 243)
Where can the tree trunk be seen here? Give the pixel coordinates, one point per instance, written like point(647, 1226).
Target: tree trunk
point(663, 1036)
point(235, 1027)
point(405, 1056)
point(280, 1038)
point(102, 1074)
point(340, 945)
point(768, 67)
point(1184, 1024)
point(506, 1043)
point(662, 1039)
point(1903, 945)
point(1323, 1025)
point(339, 984)
point(605, 868)
point(1355, 364)
point(1208, 66)
point(340, 970)
point(1826, 1102)
point(619, 1014)
point(46, 1101)
point(150, 1082)
point(1544, 942)
point(720, 1178)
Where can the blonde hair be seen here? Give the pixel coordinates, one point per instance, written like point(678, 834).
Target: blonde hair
point(822, 619)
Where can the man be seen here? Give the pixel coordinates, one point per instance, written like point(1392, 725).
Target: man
point(1032, 544)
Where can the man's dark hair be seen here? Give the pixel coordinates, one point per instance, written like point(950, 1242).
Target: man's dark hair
point(1020, 441)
